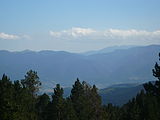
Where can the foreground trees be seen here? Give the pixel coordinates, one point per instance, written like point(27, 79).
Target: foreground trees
point(16, 99)
point(19, 101)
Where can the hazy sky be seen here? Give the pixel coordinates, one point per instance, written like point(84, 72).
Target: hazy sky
point(78, 25)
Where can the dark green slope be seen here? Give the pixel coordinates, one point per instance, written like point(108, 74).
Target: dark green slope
point(119, 94)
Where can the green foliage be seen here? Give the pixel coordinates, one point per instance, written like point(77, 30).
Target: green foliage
point(86, 101)
point(41, 105)
point(31, 82)
point(58, 103)
point(6, 98)
point(112, 112)
point(16, 101)
point(69, 111)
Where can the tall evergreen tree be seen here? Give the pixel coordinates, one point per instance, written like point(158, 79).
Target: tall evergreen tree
point(96, 111)
point(58, 102)
point(112, 112)
point(21, 111)
point(31, 82)
point(154, 88)
point(6, 99)
point(31, 85)
point(55, 108)
point(153, 93)
point(78, 100)
point(41, 106)
point(69, 112)
point(86, 101)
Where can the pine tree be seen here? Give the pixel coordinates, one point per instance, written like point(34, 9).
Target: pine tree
point(112, 112)
point(19, 96)
point(6, 99)
point(145, 106)
point(78, 100)
point(86, 101)
point(31, 82)
point(69, 112)
point(55, 109)
point(96, 112)
point(154, 88)
point(41, 106)
point(31, 85)
point(153, 92)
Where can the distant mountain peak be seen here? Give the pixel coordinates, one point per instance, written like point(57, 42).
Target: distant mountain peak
point(109, 49)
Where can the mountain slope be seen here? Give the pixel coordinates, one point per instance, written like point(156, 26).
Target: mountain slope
point(108, 50)
point(119, 95)
point(121, 66)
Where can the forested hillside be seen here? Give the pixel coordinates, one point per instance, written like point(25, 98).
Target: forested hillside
point(119, 94)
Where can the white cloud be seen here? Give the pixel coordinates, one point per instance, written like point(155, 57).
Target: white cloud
point(78, 32)
point(109, 36)
point(110, 33)
point(125, 34)
point(8, 36)
point(73, 32)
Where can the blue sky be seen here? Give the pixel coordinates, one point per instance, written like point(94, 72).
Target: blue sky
point(78, 25)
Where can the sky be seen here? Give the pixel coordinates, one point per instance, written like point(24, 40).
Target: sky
point(77, 25)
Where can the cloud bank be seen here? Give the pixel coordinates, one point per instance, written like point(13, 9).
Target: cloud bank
point(108, 37)
point(110, 33)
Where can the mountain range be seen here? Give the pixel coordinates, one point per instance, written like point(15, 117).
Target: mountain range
point(108, 49)
point(129, 65)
